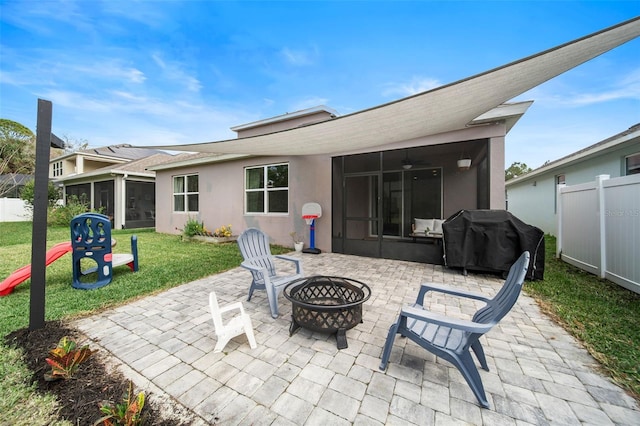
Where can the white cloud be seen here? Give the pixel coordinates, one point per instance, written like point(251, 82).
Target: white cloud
point(414, 86)
point(111, 69)
point(298, 57)
point(174, 71)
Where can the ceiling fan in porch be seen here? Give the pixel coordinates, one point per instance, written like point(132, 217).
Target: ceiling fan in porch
point(408, 163)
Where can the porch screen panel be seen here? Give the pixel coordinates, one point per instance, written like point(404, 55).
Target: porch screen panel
point(104, 198)
point(423, 195)
point(141, 204)
point(392, 199)
point(361, 195)
point(81, 193)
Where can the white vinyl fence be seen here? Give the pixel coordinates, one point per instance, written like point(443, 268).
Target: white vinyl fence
point(13, 210)
point(599, 228)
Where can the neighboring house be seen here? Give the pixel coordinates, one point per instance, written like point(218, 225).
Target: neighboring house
point(369, 198)
point(113, 179)
point(532, 196)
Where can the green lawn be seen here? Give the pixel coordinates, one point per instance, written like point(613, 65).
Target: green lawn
point(165, 261)
point(602, 315)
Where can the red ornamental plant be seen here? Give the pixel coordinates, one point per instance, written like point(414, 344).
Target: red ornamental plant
point(65, 359)
point(126, 413)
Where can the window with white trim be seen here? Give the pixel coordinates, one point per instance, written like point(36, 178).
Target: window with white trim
point(632, 164)
point(185, 193)
point(267, 189)
point(57, 169)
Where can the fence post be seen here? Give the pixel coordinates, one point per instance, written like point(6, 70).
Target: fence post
point(601, 223)
point(559, 218)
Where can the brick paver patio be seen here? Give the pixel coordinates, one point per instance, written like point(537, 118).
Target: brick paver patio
point(538, 373)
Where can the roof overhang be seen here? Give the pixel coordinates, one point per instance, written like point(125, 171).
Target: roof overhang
point(444, 109)
point(103, 172)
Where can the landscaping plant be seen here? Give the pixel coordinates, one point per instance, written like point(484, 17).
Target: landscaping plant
point(126, 413)
point(65, 359)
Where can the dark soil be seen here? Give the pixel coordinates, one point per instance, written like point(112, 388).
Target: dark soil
point(81, 396)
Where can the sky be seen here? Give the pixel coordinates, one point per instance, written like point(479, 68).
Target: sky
point(177, 72)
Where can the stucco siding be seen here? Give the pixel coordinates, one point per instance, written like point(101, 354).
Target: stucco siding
point(221, 199)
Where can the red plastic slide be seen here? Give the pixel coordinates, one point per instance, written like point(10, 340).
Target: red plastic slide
point(24, 273)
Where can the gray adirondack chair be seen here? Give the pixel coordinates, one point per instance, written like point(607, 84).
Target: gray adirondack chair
point(453, 339)
point(254, 246)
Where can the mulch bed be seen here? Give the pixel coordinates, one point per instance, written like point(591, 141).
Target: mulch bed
point(81, 396)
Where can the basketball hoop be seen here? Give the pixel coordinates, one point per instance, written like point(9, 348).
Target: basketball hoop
point(311, 212)
point(309, 218)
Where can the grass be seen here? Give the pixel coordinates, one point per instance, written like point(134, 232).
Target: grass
point(165, 261)
point(600, 314)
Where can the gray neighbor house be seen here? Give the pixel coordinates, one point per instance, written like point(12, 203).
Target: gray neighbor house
point(532, 196)
point(373, 172)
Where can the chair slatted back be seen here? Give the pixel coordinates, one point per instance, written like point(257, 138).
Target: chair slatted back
point(504, 300)
point(254, 246)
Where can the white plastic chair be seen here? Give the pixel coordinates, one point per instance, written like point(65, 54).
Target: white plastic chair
point(239, 324)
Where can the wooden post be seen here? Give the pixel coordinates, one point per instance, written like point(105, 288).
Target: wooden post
point(40, 204)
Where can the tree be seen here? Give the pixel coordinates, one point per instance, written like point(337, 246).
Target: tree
point(17, 153)
point(28, 193)
point(516, 169)
point(17, 148)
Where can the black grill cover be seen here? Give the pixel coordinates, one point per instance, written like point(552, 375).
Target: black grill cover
point(491, 240)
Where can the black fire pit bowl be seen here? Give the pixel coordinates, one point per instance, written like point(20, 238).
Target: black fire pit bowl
point(327, 305)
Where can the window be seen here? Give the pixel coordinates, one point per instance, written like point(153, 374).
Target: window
point(57, 169)
point(632, 164)
point(185, 193)
point(267, 189)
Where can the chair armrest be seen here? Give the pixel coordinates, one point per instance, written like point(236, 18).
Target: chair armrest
point(254, 268)
point(232, 306)
point(426, 287)
point(433, 318)
point(292, 259)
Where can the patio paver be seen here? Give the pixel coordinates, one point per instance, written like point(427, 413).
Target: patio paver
point(538, 373)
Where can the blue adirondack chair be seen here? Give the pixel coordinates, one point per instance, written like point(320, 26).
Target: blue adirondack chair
point(254, 246)
point(453, 339)
point(91, 239)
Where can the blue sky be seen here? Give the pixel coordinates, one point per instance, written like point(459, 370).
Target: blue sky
point(166, 72)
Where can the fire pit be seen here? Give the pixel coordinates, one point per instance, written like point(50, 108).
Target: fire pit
point(327, 304)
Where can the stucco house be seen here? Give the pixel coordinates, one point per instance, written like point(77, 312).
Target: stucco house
point(373, 171)
point(532, 196)
point(369, 198)
point(112, 178)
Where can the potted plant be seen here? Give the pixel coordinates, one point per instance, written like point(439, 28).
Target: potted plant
point(297, 243)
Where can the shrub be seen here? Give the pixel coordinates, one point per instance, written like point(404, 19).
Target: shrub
point(62, 215)
point(193, 227)
point(65, 359)
point(126, 413)
point(28, 193)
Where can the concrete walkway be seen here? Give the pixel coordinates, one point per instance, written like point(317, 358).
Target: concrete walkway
point(538, 373)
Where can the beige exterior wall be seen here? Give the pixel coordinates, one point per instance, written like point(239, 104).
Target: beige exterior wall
point(221, 187)
point(221, 199)
point(496, 174)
